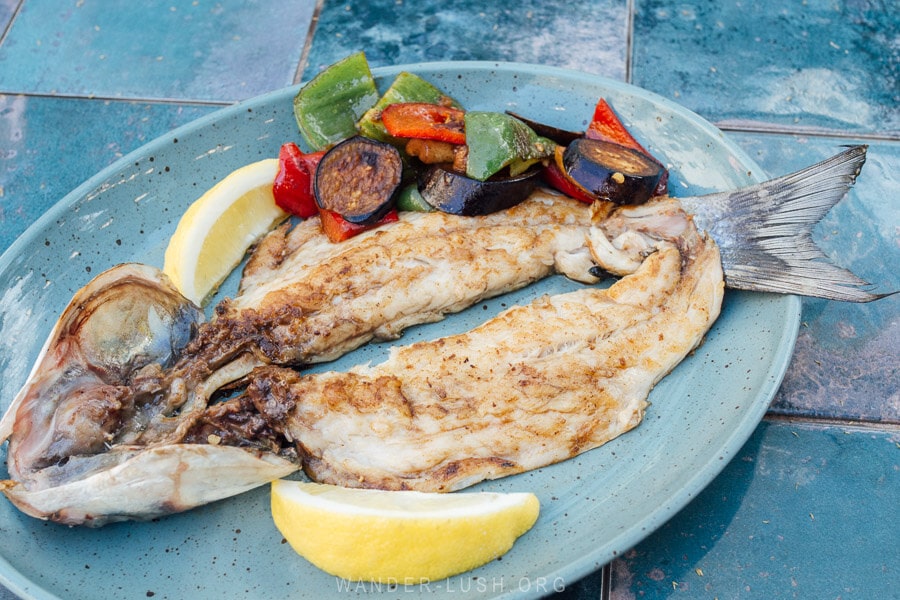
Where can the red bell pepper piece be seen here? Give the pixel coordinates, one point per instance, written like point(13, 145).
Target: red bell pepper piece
point(294, 191)
point(606, 126)
point(557, 178)
point(338, 229)
point(425, 121)
point(293, 187)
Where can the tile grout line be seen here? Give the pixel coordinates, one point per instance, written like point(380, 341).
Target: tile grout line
point(606, 580)
point(12, 20)
point(629, 39)
point(307, 44)
point(749, 127)
point(723, 126)
point(189, 101)
point(857, 424)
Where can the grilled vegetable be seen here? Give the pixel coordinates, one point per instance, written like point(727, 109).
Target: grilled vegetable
point(411, 200)
point(497, 140)
point(359, 179)
point(606, 126)
point(612, 172)
point(293, 185)
point(338, 229)
point(452, 192)
point(406, 87)
point(329, 105)
point(434, 151)
point(425, 121)
point(563, 137)
point(556, 177)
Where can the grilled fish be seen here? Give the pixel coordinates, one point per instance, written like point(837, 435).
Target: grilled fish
point(304, 300)
point(535, 385)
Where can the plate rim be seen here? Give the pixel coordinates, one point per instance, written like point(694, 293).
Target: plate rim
point(572, 571)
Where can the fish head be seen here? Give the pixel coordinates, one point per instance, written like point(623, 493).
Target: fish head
point(124, 320)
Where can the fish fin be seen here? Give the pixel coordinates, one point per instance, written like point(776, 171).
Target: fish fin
point(137, 483)
point(764, 231)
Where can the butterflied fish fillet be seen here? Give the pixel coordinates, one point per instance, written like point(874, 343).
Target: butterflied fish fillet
point(536, 385)
point(304, 299)
point(98, 417)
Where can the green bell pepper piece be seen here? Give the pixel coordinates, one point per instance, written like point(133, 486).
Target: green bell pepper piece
point(497, 140)
point(410, 199)
point(329, 105)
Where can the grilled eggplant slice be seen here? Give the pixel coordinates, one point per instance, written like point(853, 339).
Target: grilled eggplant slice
point(612, 172)
point(359, 179)
point(563, 137)
point(455, 193)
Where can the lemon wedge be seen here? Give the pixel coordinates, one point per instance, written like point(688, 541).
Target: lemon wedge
point(401, 538)
point(217, 229)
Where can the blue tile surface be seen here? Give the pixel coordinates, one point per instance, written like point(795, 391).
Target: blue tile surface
point(7, 9)
point(810, 65)
point(772, 526)
point(806, 510)
point(222, 51)
point(583, 34)
point(43, 156)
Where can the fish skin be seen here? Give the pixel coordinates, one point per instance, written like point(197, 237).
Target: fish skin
point(80, 394)
point(444, 414)
point(138, 483)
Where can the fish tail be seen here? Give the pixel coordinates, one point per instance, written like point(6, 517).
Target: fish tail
point(764, 232)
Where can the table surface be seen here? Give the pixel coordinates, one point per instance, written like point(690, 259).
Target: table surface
point(808, 508)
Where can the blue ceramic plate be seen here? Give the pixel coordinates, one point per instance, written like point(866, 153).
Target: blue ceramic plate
point(594, 507)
